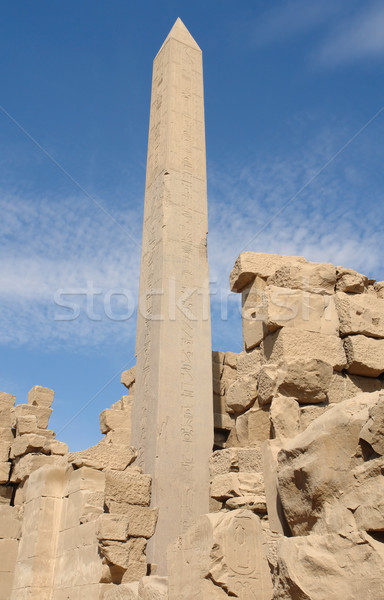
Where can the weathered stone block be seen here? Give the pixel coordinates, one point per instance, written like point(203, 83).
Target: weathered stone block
point(349, 280)
point(29, 442)
point(26, 424)
point(319, 278)
point(241, 395)
point(7, 400)
point(128, 378)
point(41, 396)
point(112, 527)
point(344, 386)
point(293, 345)
point(360, 313)
point(365, 355)
point(130, 487)
point(111, 419)
point(4, 472)
point(251, 264)
point(86, 479)
point(259, 426)
point(236, 484)
point(285, 417)
point(141, 519)
point(41, 413)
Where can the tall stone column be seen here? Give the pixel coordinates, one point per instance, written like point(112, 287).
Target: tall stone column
point(172, 414)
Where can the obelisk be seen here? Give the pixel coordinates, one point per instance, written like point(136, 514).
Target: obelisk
point(172, 415)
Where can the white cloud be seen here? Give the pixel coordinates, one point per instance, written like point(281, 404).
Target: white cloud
point(357, 37)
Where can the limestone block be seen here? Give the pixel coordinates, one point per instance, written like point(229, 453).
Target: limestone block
point(153, 588)
point(319, 278)
point(349, 280)
point(248, 364)
point(26, 424)
point(86, 479)
point(6, 400)
point(285, 417)
point(293, 345)
point(344, 386)
point(7, 434)
point(283, 307)
point(128, 378)
point(111, 419)
point(77, 537)
point(56, 447)
point(112, 527)
point(318, 463)
point(254, 313)
point(276, 517)
point(4, 451)
point(241, 395)
point(236, 484)
point(228, 376)
point(124, 553)
point(29, 442)
point(41, 413)
point(373, 430)
point(252, 264)
point(124, 591)
point(307, 381)
point(135, 571)
point(363, 314)
point(249, 502)
point(128, 486)
point(6, 419)
point(221, 555)
point(47, 481)
point(250, 460)
point(268, 383)
point(10, 525)
point(4, 472)
point(106, 454)
point(329, 566)
point(309, 413)
point(141, 519)
point(365, 355)
point(25, 465)
point(41, 396)
point(259, 426)
point(223, 461)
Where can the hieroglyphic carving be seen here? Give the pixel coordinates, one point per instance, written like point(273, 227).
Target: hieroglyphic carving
point(172, 413)
point(225, 549)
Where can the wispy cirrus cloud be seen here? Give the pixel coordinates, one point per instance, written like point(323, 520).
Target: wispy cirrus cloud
point(342, 31)
point(357, 37)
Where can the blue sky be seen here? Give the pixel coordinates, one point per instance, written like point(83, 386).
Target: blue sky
point(295, 156)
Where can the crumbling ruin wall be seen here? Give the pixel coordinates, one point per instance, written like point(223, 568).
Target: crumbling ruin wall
point(297, 469)
point(72, 525)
